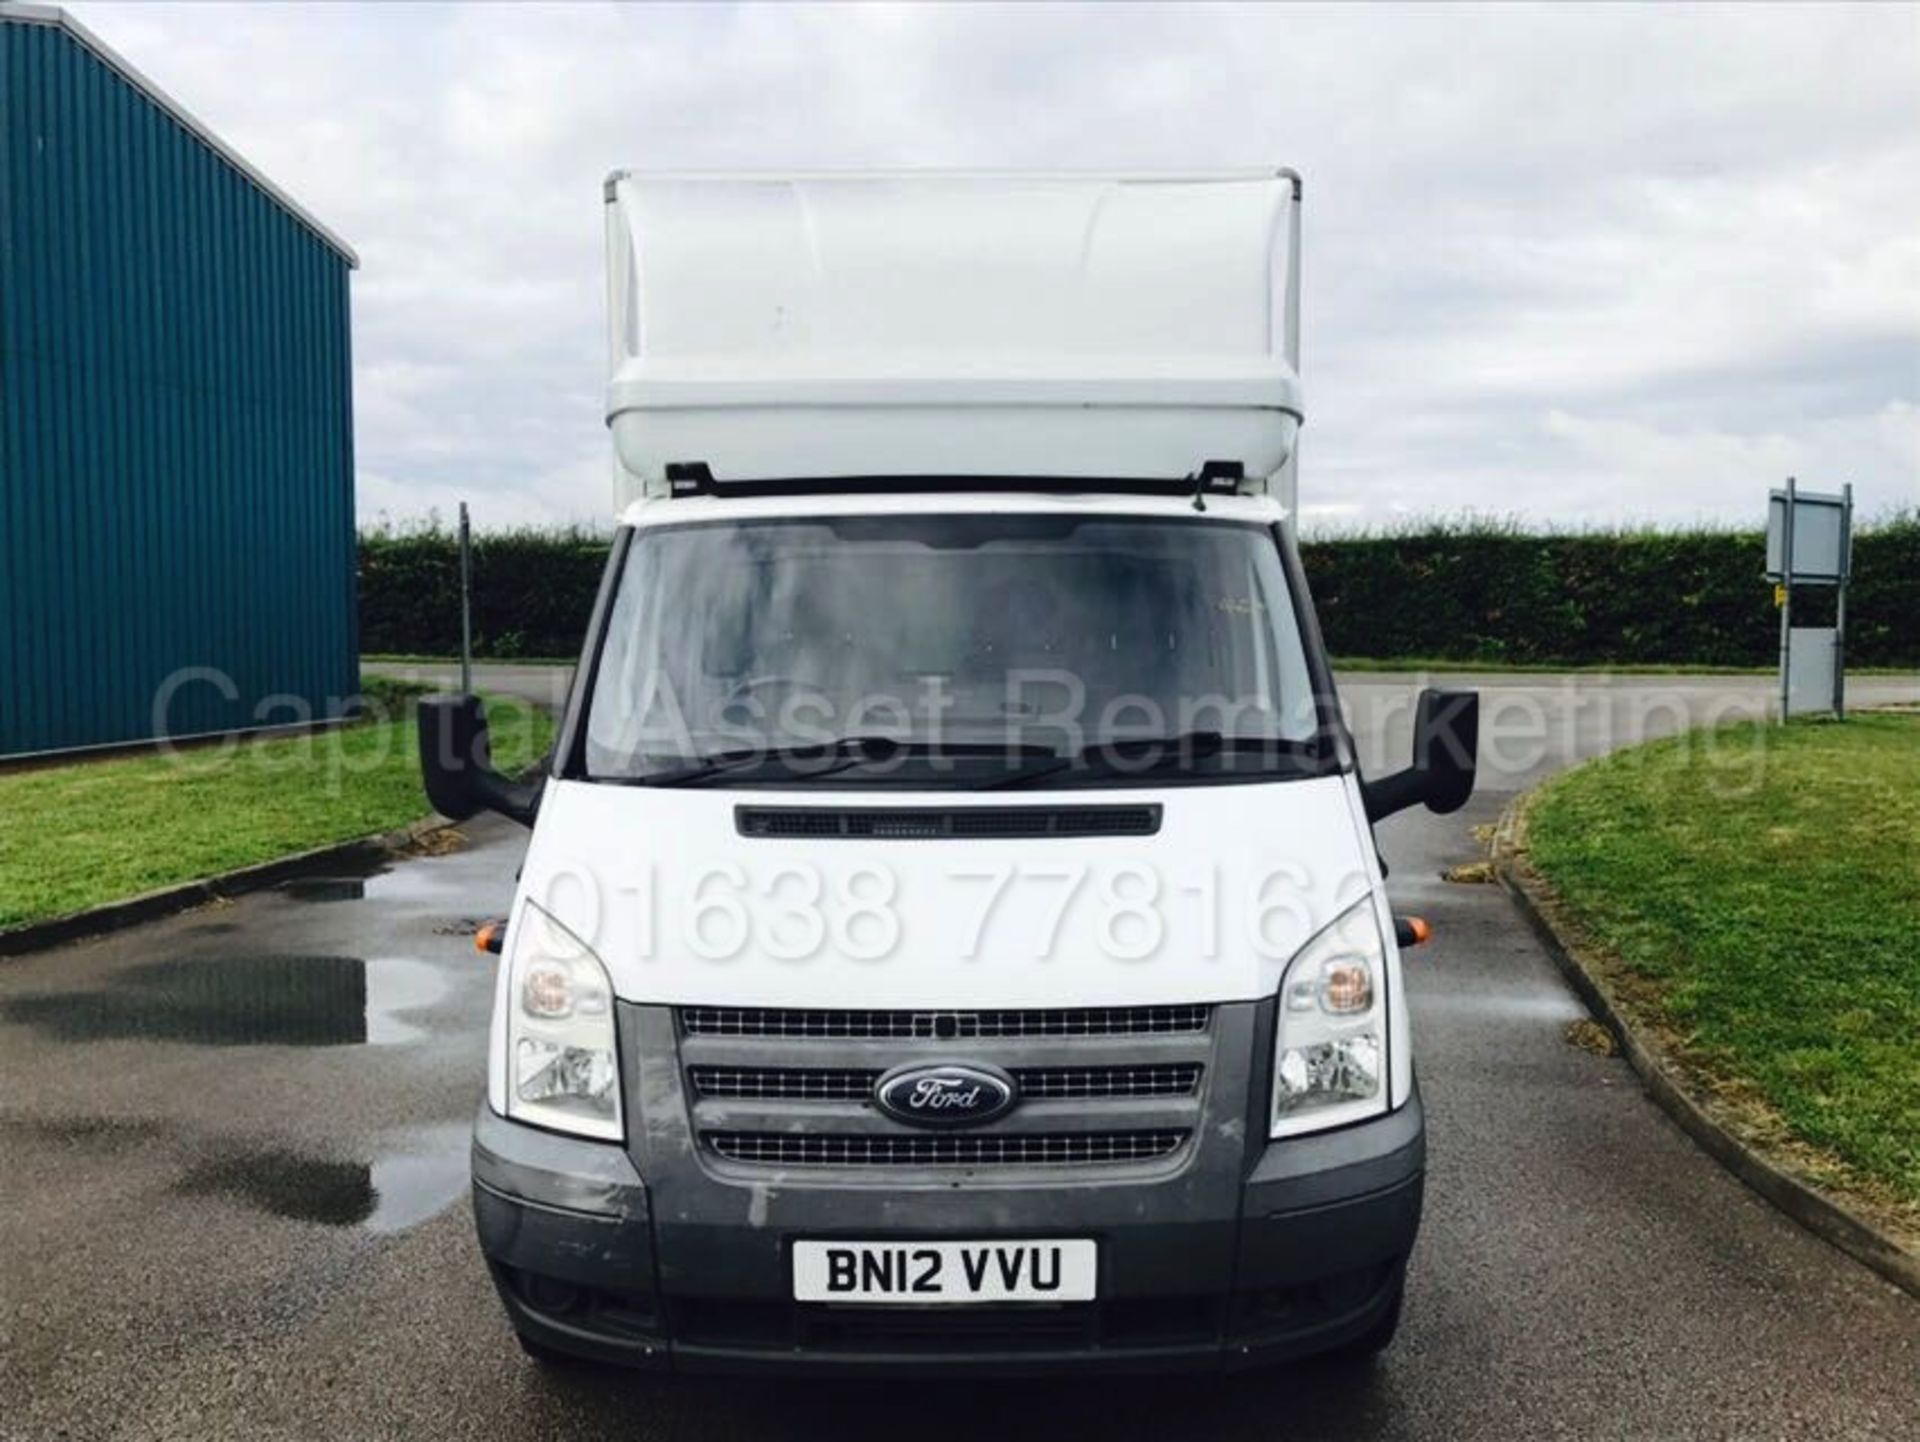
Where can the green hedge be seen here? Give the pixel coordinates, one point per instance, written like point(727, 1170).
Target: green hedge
point(1449, 592)
point(1649, 598)
point(532, 592)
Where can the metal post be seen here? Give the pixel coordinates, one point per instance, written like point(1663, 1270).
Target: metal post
point(1840, 605)
point(466, 603)
point(1786, 605)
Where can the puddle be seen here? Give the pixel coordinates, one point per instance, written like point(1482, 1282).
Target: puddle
point(243, 1001)
point(338, 1194)
point(416, 1177)
point(413, 1175)
point(426, 883)
point(325, 888)
point(421, 1179)
point(396, 986)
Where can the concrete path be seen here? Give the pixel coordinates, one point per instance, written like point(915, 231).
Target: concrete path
point(232, 1199)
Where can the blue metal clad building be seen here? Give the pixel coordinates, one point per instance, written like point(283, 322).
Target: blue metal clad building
point(176, 428)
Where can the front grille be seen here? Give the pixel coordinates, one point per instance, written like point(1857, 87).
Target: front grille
point(794, 1087)
point(921, 823)
point(943, 1025)
point(1048, 1083)
point(934, 1149)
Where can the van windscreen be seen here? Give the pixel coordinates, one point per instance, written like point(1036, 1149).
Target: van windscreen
point(946, 649)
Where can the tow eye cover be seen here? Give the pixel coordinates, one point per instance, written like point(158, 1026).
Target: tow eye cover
point(948, 1094)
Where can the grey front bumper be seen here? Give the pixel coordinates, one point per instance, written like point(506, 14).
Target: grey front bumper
point(1299, 1253)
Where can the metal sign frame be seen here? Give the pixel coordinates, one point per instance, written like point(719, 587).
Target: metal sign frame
point(1784, 509)
point(1817, 524)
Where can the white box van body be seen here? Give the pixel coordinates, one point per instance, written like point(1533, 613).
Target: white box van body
point(952, 937)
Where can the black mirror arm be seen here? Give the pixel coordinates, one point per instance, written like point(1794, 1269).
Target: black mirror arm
point(1393, 793)
point(516, 800)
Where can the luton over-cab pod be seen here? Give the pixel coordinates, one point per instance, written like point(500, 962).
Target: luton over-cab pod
point(1058, 327)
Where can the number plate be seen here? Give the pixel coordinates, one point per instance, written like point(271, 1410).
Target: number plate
point(933, 1273)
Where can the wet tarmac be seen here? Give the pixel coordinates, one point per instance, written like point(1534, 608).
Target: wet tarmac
point(233, 1169)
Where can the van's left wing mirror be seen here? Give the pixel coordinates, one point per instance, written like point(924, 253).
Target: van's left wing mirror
point(1446, 747)
point(457, 765)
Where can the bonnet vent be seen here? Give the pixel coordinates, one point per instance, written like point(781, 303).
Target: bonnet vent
point(917, 823)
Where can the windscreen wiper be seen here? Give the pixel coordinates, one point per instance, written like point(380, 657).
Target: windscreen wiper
point(1140, 755)
point(841, 753)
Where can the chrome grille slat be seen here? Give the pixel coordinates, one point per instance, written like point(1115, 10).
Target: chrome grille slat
point(1060, 1083)
point(933, 1149)
point(1050, 1083)
point(783, 1083)
point(876, 1025)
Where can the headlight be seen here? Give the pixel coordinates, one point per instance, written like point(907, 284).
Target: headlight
point(1330, 1036)
point(561, 1070)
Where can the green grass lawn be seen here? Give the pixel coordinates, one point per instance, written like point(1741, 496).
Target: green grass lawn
point(96, 831)
point(1759, 890)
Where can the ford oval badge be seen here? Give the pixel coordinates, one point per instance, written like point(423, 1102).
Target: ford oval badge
point(955, 1094)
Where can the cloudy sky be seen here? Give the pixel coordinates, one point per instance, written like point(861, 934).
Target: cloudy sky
point(1584, 265)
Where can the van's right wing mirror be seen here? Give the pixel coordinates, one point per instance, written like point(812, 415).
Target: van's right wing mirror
point(456, 763)
point(1446, 746)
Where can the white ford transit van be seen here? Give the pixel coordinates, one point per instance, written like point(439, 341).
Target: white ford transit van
point(952, 937)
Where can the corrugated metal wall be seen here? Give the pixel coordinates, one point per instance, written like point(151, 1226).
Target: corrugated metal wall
point(176, 438)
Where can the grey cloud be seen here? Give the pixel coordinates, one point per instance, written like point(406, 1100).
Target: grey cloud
point(1576, 263)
